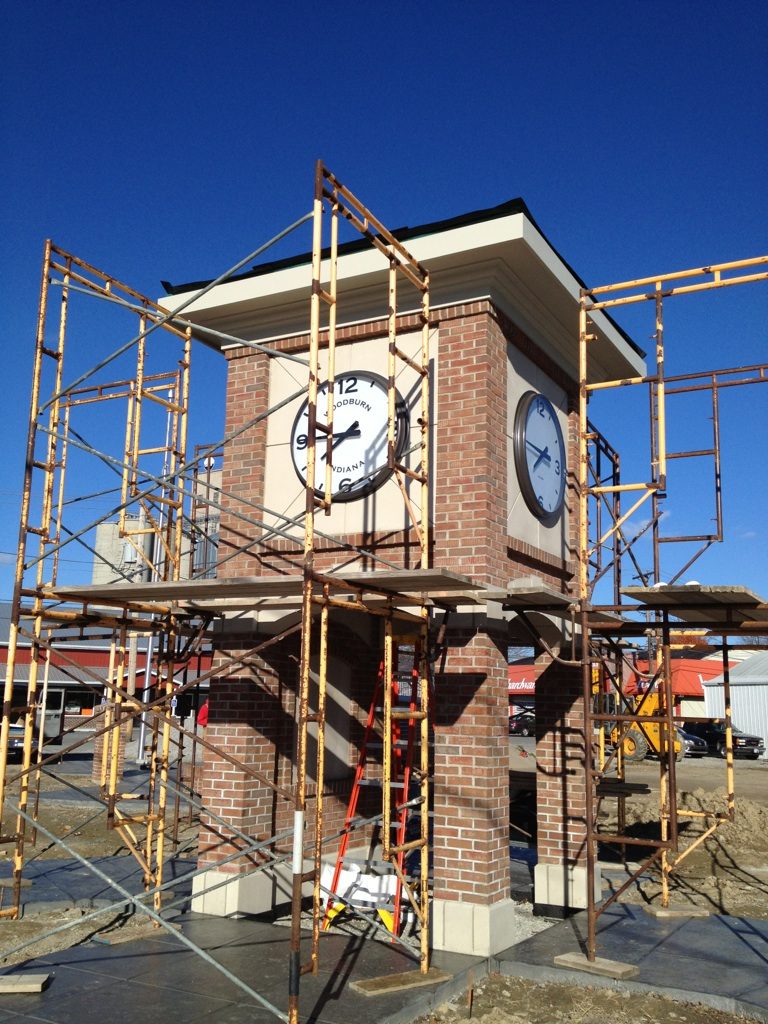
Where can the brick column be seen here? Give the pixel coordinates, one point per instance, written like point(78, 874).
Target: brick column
point(251, 718)
point(560, 877)
point(244, 461)
point(471, 792)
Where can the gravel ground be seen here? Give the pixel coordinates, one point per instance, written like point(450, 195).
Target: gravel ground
point(500, 1000)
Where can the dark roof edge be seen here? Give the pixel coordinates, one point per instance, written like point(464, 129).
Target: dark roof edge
point(405, 234)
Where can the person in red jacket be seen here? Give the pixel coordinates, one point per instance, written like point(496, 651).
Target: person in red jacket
point(202, 714)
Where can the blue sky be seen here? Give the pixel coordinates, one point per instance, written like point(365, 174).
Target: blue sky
point(167, 140)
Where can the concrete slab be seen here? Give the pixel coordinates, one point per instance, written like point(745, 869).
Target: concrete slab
point(605, 968)
point(159, 979)
point(53, 885)
point(716, 961)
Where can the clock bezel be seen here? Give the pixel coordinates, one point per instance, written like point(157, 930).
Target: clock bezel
point(374, 482)
point(547, 518)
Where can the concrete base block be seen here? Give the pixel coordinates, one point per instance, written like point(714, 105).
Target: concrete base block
point(388, 983)
point(678, 911)
point(473, 928)
point(12, 984)
point(605, 968)
point(563, 885)
point(244, 894)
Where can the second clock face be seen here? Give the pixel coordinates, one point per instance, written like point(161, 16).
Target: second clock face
point(540, 456)
point(359, 459)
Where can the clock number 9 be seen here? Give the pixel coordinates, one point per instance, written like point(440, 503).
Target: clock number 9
point(301, 442)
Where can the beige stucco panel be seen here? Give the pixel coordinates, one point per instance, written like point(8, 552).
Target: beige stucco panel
point(284, 493)
point(522, 376)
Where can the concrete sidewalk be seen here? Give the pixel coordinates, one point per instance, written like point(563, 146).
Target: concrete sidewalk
point(159, 980)
point(718, 961)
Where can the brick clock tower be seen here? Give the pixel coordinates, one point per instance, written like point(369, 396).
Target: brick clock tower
point(504, 385)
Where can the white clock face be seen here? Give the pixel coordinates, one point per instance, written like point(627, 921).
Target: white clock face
point(359, 452)
point(540, 456)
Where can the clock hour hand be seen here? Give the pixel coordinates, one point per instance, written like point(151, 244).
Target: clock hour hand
point(353, 431)
point(542, 453)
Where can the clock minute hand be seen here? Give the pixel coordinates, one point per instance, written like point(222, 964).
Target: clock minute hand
point(353, 431)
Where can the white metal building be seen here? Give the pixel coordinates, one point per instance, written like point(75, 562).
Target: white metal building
point(749, 696)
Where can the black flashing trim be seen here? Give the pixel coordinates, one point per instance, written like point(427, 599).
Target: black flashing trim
point(402, 234)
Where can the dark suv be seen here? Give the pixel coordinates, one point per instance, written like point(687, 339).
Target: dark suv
point(523, 724)
point(713, 733)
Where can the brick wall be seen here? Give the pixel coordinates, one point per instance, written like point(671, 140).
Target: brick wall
point(244, 460)
point(236, 704)
point(469, 456)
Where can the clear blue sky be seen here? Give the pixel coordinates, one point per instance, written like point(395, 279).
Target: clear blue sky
point(166, 140)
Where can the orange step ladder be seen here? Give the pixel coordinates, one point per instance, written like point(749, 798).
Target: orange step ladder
point(404, 689)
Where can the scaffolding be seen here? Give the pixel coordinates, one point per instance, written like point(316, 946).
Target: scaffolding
point(650, 612)
point(166, 508)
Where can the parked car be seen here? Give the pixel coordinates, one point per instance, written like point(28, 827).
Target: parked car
point(522, 724)
point(713, 733)
point(16, 741)
point(693, 746)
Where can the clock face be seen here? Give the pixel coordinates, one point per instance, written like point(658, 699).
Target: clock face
point(540, 456)
point(359, 435)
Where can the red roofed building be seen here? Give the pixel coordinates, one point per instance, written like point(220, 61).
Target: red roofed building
point(687, 674)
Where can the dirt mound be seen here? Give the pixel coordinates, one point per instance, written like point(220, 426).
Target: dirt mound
point(745, 836)
point(724, 874)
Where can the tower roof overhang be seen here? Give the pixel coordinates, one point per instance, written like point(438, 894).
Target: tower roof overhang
point(499, 255)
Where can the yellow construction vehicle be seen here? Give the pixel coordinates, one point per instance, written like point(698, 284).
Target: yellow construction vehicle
point(643, 738)
point(639, 739)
